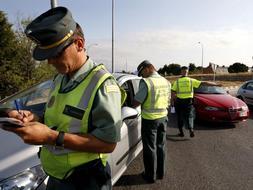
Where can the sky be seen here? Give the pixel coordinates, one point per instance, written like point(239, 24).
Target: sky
point(161, 31)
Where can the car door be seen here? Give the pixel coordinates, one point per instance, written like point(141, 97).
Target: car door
point(130, 144)
point(19, 163)
point(247, 93)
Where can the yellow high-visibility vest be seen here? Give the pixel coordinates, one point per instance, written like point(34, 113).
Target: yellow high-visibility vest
point(59, 163)
point(184, 87)
point(157, 101)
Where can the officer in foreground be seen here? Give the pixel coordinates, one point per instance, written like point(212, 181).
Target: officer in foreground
point(182, 99)
point(82, 118)
point(154, 97)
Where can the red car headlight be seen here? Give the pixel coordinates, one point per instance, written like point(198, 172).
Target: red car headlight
point(212, 108)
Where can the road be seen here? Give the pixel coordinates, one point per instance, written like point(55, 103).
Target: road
point(219, 157)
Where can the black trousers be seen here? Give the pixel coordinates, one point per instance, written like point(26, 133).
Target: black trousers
point(153, 134)
point(185, 113)
point(89, 176)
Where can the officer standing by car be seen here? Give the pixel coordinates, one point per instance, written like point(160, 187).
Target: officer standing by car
point(182, 98)
point(154, 97)
point(82, 118)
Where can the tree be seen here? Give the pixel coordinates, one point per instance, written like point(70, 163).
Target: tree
point(162, 71)
point(198, 70)
point(238, 67)
point(7, 57)
point(32, 71)
point(18, 69)
point(174, 69)
point(171, 69)
point(192, 67)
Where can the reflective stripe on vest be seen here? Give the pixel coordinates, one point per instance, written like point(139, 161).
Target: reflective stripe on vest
point(156, 103)
point(60, 163)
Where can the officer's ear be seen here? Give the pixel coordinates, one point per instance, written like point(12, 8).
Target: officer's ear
point(79, 42)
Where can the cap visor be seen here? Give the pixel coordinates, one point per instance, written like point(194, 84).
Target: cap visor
point(42, 54)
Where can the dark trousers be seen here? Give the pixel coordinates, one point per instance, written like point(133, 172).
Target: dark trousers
point(185, 113)
point(153, 134)
point(90, 176)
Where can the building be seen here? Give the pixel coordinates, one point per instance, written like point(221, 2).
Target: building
point(213, 68)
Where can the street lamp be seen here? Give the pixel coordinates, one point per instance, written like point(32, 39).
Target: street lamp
point(90, 45)
point(202, 55)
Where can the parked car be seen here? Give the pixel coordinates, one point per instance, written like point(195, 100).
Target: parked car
point(245, 92)
point(213, 103)
point(19, 165)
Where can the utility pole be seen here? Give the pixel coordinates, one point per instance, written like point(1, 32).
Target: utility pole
point(112, 36)
point(202, 55)
point(53, 3)
point(126, 65)
point(202, 58)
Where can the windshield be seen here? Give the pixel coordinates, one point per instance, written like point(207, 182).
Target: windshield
point(29, 97)
point(210, 90)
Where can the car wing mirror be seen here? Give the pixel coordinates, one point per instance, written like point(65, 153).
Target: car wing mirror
point(128, 113)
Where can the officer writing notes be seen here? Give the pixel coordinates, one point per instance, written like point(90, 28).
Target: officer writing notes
point(82, 117)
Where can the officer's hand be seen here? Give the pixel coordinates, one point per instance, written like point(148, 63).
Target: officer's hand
point(17, 115)
point(35, 133)
point(23, 115)
point(29, 116)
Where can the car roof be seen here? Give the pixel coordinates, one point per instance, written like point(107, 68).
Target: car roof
point(122, 77)
point(246, 82)
point(249, 81)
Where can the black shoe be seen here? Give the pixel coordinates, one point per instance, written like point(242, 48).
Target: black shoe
point(146, 178)
point(192, 134)
point(180, 134)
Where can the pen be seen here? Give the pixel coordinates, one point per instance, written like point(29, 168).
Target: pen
point(17, 107)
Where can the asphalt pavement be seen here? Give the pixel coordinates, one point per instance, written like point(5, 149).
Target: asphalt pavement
point(219, 157)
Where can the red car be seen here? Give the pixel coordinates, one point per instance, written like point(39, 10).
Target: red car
point(215, 104)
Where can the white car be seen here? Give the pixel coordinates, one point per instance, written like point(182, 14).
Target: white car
point(245, 92)
point(19, 165)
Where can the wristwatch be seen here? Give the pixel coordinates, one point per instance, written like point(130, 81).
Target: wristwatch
point(59, 143)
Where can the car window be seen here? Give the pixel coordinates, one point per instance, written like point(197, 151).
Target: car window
point(135, 85)
point(210, 90)
point(33, 96)
point(127, 86)
point(38, 97)
point(131, 87)
point(249, 86)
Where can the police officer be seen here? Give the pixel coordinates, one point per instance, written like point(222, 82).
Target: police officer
point(82, 118)
point(182, 98)
point(153, 96)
